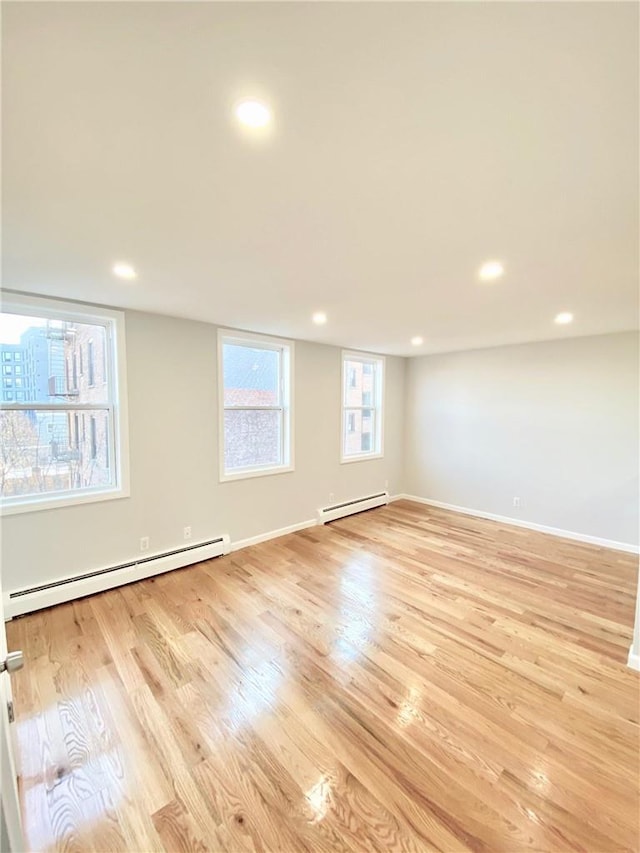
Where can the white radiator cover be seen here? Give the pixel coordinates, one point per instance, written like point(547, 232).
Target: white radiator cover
point(26, 600)
point(339, 510)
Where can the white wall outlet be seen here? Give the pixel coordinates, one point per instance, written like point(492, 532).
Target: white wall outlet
point(386, 485)
point(187, 532)
point(331, 496)
point(144, 543)
point(516, 502)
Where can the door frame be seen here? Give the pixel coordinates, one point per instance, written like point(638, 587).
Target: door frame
point(10, 815)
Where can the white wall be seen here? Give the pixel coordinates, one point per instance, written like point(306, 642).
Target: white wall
point(172, 377)
point(553, 423)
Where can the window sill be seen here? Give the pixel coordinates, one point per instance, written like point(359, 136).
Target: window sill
point(257, 472)
point(50, 502)
point(362, 457)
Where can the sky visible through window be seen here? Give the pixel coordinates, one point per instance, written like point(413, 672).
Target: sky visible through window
point(253, 416)
point(12, 327)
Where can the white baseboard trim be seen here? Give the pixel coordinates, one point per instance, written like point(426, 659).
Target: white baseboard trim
point(18, 602)
point(633, 661)
point(529, 525)
point(272, 534)
point(68, 589)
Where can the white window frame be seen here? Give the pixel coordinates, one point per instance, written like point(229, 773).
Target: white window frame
point(116, 404)
point(378, 362)
point(286, 349)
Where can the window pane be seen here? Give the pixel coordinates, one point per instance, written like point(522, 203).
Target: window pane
point(359, 428)
point(48, 352)
point(359, 383)
point(251, 376)
point(47, 452)
point(252, 438)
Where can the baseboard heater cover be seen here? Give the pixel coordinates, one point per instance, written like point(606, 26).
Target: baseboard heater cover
point(330, 513)
point(77, 586)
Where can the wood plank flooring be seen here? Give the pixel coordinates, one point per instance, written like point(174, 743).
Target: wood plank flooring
point(406, 679)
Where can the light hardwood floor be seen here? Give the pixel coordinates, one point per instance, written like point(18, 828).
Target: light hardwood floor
point(405, 679)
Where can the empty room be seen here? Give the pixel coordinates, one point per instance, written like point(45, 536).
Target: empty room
point(319, 421)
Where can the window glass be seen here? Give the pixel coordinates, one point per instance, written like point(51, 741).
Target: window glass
point(256, 416)
point(362, 406)
point(43, 453)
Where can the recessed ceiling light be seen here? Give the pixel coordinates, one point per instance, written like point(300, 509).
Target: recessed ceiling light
point(319, 318)
point(417, 341)
point(563, 318)
point(123, 270)
point(491, 270)
point(253, 114)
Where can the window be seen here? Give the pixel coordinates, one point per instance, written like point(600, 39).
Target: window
point(44, 461)
point(256, 401)
point(362, 410)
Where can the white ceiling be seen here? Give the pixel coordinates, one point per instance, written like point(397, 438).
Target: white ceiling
point(412, 142)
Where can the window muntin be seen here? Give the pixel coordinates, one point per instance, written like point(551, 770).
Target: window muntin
point(42, 464)
point(362, 410)
point(255, 405)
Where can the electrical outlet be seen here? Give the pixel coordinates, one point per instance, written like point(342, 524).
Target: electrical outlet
point(516, 502)
point(331, 496)
point(187, 532)
point(144, 543)
point(386, 485)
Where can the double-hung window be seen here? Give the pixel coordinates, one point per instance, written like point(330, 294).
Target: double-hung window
point(362, 406)
point(255, 377)
point(62, 441)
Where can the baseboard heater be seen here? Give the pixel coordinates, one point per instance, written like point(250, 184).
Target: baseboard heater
point(330, 513)
point(77, 586)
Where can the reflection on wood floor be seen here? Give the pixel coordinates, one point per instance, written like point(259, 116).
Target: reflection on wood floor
point(405, 679)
